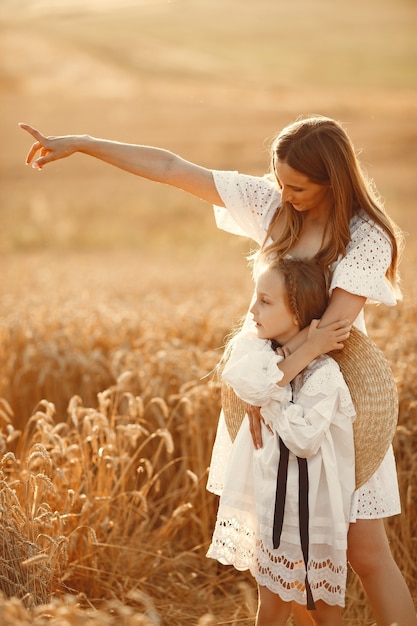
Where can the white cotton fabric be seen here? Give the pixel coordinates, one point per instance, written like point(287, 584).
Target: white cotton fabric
point(314, 419)
point(250, 203)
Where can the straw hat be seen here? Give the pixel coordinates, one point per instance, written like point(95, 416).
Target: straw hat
point(374, 395)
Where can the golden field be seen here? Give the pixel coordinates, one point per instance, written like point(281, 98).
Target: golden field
point(117, 294)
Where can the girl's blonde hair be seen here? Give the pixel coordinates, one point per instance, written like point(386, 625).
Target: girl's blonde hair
point(320, 148)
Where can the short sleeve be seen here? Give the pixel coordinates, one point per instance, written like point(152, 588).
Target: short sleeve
point(249, 203)
point(362, 271)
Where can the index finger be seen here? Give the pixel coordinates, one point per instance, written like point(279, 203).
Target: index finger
point(344, 323)
point(40, 141)
point(32, 131)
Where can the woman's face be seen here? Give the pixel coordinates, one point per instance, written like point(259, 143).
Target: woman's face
point(301, 192)
point(271, 313)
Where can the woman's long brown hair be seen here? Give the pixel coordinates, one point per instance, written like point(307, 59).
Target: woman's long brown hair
point(320, 148)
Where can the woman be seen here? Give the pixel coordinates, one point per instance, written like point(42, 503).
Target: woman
point(317, 203)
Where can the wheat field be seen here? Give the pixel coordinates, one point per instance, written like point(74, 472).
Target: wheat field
point(117, 294)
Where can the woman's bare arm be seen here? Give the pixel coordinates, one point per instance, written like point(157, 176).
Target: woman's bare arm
point(342, 304)
point(148, 162)
point(344, 307)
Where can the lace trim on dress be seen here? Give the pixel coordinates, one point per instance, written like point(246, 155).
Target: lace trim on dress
point(315, 376)
point(233, 544)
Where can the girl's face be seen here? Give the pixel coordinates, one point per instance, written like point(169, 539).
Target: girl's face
point(301, 192)
point(271, 313)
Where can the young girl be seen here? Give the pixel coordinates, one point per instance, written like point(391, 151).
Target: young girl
point(284, 509)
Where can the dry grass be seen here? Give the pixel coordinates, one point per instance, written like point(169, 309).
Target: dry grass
point(105, 499)
point(111, 325)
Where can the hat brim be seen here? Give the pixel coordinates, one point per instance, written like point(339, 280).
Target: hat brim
point(374, 395)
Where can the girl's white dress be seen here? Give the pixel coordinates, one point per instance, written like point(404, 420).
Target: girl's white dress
point(250, 203)
point(313, 418)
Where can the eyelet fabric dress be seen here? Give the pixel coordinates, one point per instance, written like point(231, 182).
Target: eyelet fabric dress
point(313, 418)
point(250, 203)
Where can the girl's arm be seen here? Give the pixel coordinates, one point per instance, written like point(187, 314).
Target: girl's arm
point(342, 306)
point(303, 425)
point(146, 161)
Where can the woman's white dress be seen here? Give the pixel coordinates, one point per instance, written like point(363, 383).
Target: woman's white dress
point(250, 203)
point(313, 417)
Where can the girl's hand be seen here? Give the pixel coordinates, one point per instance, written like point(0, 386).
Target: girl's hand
point(329, 337)
point(49, 148)
point(283, 351)
point(254, 415)
point(255, 419)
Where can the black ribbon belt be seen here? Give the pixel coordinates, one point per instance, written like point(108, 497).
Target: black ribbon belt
point(303, 509)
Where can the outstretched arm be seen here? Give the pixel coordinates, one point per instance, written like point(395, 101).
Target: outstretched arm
point(148, 162)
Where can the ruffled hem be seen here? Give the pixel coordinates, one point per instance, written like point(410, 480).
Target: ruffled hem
point(282, 571)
